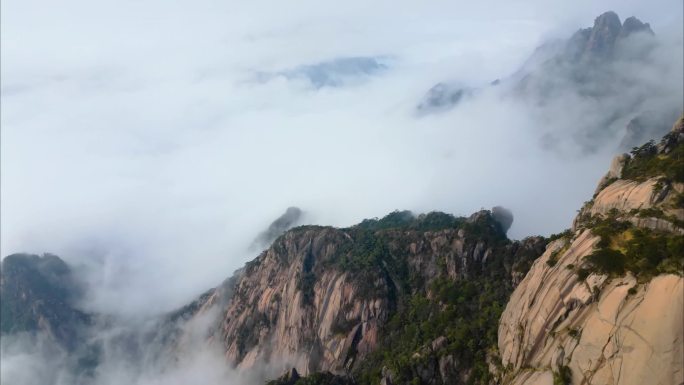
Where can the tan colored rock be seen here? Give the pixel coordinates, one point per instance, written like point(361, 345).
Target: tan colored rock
point(534, 377)
point(614, 172)
point(595, 327)
point(296, 306)
point(625, 195)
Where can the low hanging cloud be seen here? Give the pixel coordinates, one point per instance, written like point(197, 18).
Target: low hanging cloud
point(122, 352)
point(137, 145)
point(337, 72)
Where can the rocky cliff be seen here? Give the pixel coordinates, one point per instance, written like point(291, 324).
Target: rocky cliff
point(37, 295)
point(605, 304)
point(328, 299)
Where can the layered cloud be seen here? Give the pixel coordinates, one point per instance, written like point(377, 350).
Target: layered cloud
point(137, 144)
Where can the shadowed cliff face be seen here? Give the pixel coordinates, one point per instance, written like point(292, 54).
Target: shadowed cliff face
point(290, 218)
point(604, 304)
point(37, 295)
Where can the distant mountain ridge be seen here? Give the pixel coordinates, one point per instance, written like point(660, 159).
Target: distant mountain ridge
point(591, 71)
point(592, 45)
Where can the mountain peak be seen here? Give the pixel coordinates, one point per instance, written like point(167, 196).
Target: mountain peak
point(606, 29)
point(290, 218)
point(608, 18)
point(633, 25)
point(599, 41)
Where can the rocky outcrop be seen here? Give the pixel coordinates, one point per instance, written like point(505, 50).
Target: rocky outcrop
point(442, 96)
point(407, 298)
point(635, 197)
point(606, 331)
point(290, 218)
point(584, 64)
point(600, 41)
point(319, 297)
point(601, 38)
point(290, 307)
point(614, 172)
point(37, 294)
point(317, 300)
point(599, 328)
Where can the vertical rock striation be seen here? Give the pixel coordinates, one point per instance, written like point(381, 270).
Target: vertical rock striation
point(601, 327)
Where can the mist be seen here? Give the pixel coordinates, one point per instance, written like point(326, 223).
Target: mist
point(126, 355)
point(149, 144)
point(142, 143)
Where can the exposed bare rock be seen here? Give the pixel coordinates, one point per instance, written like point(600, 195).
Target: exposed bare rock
point(280, 309)
point(601, 39)
point(615, 338)
point(606, 330)
point(630, 197)
point(318, 298)
point(625, 195)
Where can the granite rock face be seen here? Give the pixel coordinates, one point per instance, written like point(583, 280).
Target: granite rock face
point(608, 330)
point(305, 303)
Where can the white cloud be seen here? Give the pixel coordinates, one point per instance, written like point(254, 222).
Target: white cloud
point(133, 137)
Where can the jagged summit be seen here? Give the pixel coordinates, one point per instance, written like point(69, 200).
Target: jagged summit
point(633, 25)
point(613, 64)
point(600, 41)
point(602, 36)
point(595, 44)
